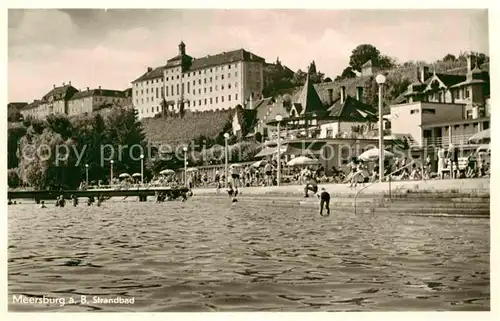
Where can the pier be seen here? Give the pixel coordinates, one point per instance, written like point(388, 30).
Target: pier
point(141, 192)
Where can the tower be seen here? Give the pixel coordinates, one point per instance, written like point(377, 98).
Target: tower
point(182, 48)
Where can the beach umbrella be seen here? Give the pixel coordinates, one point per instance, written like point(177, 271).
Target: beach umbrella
point(481, 136)
point(373, 153)
point(192, 169)
point(124, 175)
point(302, 160)
point(167, 172)
point(485, 148)
point(260, 163)
point(234, 165)
point(136, 175)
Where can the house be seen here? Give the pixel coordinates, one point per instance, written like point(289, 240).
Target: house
point(54, 102)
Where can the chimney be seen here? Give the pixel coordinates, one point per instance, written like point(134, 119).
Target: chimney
point(359, 93)
point(424, 73)
point(54, 86)
point(99, 87)
point(88, 88)
point(64, 84)
point(471, 60)
point(342, 94)
point(70, 82)
point(330, 97)
point(150, 69)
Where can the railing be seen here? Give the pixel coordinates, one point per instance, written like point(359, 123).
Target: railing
point(381, 180)
point(445, 141)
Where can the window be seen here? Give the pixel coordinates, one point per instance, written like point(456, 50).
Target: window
point(235, 96)
point(199, 72)
point(188, 87)
point(167, 78)
point(236, 74)
point(229, 97)
point(157, 108)
point(194, 82)
point(199, 91)
point(216, 77)
point(205, 90)
point(216, 100)
point(172, 90)
point(205, 72)
point(222, 77)
point(199, 81)
point(428, 111)
point(216, 87)
point(210, 101)
point(166, 91)
point(222, 98)
point(182, 88)
point(228, 75)
point(486, 125)
point(228, 66)
point(468, 114)
point(152, 109)
point(205, 80)
point(466, 92)
point(177, 76)
point(199, 102)
point(205, 101)
point(157, 92)
point(147, 99)
point(189, 74)
point(162, 92)
point(414, 111)
point(194, 103)
point(210, 79)
point(236, 84)
point(177, 88)
point(210, 89)
point(222, 87)
point(229, 86)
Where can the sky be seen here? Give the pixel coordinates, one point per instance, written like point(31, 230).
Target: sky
point(110, 48)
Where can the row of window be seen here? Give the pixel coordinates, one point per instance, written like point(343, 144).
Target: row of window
point(206, 101)
point(189, 74)
point(160, 90)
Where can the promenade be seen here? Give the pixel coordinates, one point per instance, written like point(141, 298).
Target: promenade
point(477, 186)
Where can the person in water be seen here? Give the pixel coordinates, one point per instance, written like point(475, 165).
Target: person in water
point(324, 197)
point(312, 186)
point(10, 202)
point(43, 205)
point(75, 200)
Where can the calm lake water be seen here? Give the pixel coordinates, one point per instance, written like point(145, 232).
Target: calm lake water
point(218, 256)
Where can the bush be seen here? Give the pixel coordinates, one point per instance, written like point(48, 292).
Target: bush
point(13, 178)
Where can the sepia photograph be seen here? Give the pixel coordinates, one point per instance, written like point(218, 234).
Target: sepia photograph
point(248, 160)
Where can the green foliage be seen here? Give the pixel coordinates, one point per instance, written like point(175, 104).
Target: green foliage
point(14, 135)
point(13, 178)
point(449, 57)
point(14, 115)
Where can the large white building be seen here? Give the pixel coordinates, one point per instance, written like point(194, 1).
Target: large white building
point(220, 81)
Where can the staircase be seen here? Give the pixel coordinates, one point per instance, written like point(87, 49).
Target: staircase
point(419, 204)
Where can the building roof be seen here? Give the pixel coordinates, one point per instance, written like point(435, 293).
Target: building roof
point(352, 110)
point(469, 82)
point(204, 62)
point(450, 80)
point(99, 92)
point(58, 93)
point(308, 101)
point(367, 64)
point(32, 105)
point(17, 105)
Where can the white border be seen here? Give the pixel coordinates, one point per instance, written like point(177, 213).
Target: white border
point(311, 4)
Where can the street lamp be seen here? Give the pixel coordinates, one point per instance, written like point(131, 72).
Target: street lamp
point(87, 174)
point(279, 118)
point(111, 180)
point(185, 165)
point(226, 137)
point(380, 79)
point(142, 169)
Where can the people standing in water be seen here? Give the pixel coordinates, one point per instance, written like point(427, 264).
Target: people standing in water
point(324, 197)
point(60, 201)
point(75, 200)
point(43, 205)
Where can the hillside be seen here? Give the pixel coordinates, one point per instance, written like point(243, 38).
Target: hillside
point(176, 130)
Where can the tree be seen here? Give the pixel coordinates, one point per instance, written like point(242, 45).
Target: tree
point(449, 57)
point(13, 178)
point(14, 135)
point(347, 73)
point(14, 115)
point(361, 54)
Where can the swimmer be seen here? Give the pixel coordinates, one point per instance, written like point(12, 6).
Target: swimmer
point(43, 205)
point(324, 197)
point(10, 202)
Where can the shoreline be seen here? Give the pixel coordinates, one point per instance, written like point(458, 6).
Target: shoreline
point(476, 187)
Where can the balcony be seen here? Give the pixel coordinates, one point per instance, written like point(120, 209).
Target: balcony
point(444, 142)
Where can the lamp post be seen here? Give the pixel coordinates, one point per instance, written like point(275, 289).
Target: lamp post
point(111, 179)
point(226, 137)
point(185, 165)
point(380, 79)
point(279, 118)
point(142, 169)
point(87, 174)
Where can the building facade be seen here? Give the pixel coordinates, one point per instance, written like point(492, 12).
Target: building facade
point(221, 81)
point(68, 100)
